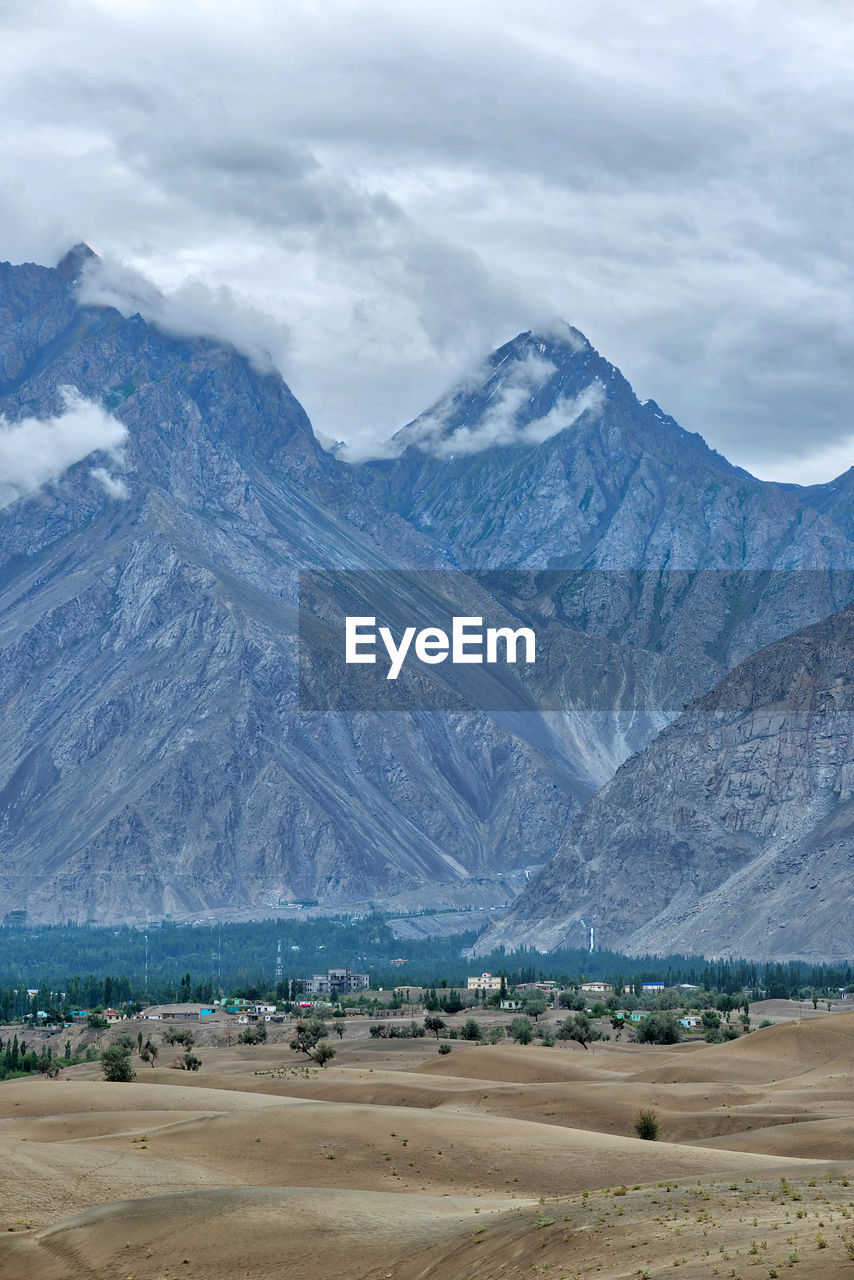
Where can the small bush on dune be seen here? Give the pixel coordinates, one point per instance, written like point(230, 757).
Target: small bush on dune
point(648, 1125)
point(522, 1031)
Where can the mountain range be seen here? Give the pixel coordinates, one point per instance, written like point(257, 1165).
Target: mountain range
point(158, 758)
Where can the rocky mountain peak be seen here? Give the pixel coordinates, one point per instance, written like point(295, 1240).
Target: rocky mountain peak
point(71, 265)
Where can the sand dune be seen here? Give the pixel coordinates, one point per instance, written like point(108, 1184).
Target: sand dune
point(469, 1165)
point(257, 1231)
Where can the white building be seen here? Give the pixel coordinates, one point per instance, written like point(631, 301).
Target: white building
point(486, 982)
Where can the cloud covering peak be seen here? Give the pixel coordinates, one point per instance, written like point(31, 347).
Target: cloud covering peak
point(192, 309)
point(399, 186)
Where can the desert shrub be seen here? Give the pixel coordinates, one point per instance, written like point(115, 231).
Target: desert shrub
point(190, 1062)
point(546, 1037)
point(648, 1125)
point(172, 1035)
point(444, 1048)
point(323, 1053)
point(495, 1034)
point(720, 1035)
point(521, 1030)
point(257, 1034)
point(470, 1030)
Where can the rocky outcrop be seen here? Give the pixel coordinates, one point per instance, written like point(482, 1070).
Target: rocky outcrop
point(731, 833)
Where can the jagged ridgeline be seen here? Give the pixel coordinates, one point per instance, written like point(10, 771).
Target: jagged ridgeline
point(156, 758)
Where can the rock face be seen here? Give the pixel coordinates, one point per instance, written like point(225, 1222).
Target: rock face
point(732, 833)
point(155, 757)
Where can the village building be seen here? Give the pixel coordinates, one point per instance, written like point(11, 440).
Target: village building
point(335, 982)
point(486, 982)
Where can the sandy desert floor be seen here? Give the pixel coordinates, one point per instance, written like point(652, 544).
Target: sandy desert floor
point(395, 1163)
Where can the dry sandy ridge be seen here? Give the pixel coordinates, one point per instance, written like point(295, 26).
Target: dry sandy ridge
point(394, 1162)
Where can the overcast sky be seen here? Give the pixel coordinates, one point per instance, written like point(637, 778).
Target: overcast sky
point(379, 193)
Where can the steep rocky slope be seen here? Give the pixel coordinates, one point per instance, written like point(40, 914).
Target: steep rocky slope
point(154, 758)
point(732, 833)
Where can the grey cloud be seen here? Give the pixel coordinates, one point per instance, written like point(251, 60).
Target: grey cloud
point(399, 187)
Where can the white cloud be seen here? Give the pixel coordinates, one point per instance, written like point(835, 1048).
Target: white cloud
point(36, 451)
point(191, 310)
point(113, 486)
point(507, 418)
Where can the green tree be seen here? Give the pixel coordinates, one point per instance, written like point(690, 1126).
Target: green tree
point(149, 1052)
point(534, 1003)
point(190, 1062)
point(432, 1022)
point(726, 1004)
point(116, 1064)
point(659, 1028)
point(470, 1030)
point(578, 1028)
point(307, 1035)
